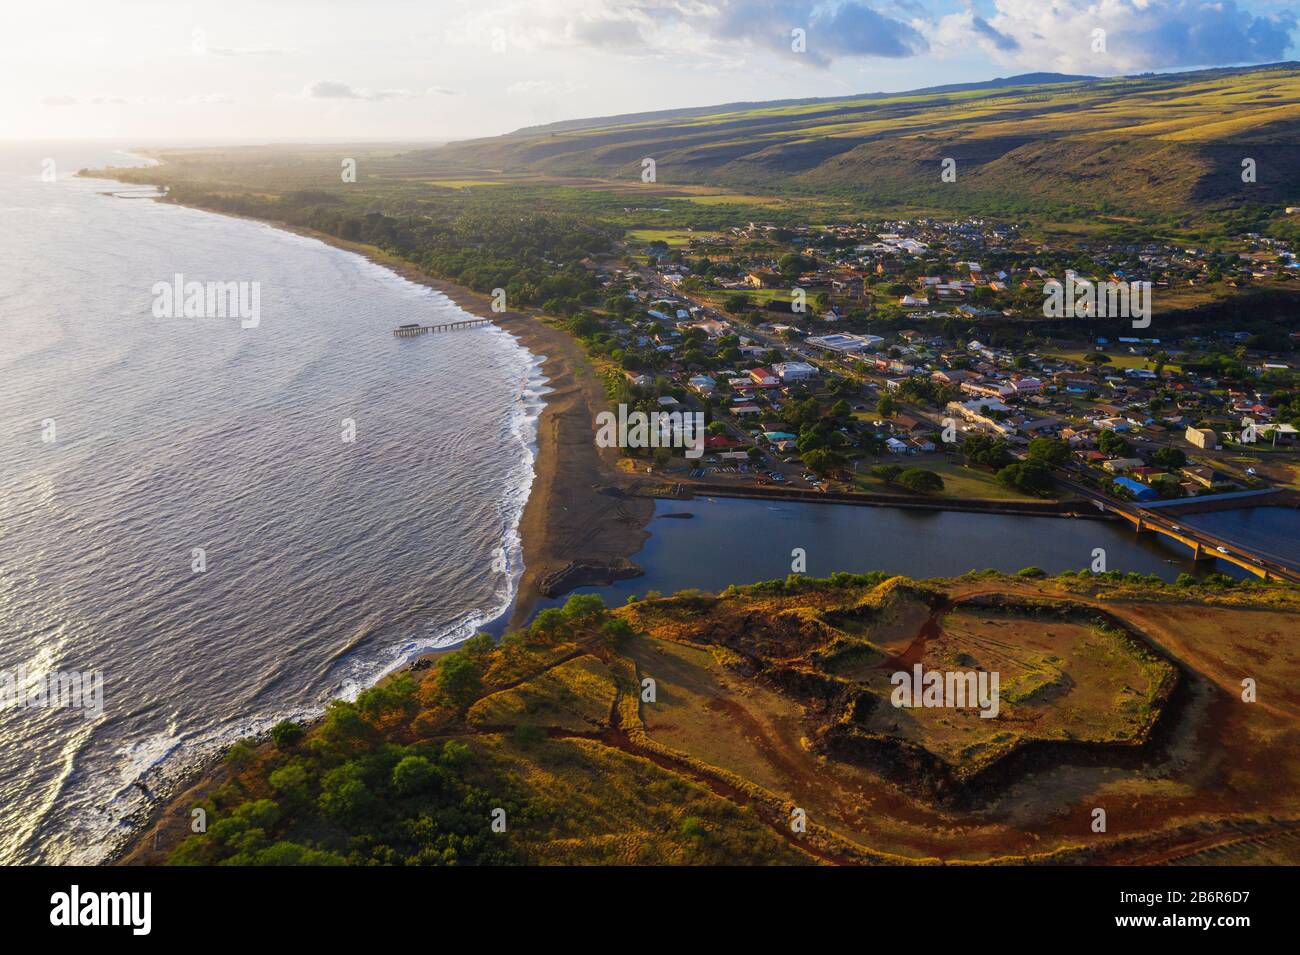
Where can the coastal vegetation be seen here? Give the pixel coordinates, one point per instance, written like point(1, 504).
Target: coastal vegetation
point(685, 730)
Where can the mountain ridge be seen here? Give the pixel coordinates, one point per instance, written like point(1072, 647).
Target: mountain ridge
point(566, 125)
point(1167, 144)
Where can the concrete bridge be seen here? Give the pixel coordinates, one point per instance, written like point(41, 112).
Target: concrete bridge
point(1269, 497)
point(1158, 518)
point(407, 331)
point(1205, 546)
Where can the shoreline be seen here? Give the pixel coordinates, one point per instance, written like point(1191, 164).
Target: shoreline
point(580, 511)
point(580, 508)
point(583, 513)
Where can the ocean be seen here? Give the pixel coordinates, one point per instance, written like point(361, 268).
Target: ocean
point(230, 522)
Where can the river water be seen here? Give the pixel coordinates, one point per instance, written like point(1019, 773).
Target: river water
point(735, 541)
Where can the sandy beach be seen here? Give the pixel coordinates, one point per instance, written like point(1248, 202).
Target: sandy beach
point(581, 509)
point(583, 515)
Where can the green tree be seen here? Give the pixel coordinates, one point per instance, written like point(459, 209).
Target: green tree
point(414, 774)
point(921, 481)
point(886, 472)
point(459, 680)
point(1169, 457)
point(791, 265)
point(986, 450)
point(1111, 443)
point(823, 461)
point(1049, 451)
point(286, 734)
point(1028, 477)
point(345, 797)
point(736, 303)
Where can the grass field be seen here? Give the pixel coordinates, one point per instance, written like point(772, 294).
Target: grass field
point(1120, 357)
point(726, 199)
point(958, 480)
point(463, 183)
point(1109, 682)
point(609, 808)
point(1065, 677)
point(575, 696)
point(777, 698)
point(673, 237)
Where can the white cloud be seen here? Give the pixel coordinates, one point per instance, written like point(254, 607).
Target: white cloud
point(200, 46)
point(1138, 34)
point(1036, 34)
point(332, 89)
point(719, 29)
point(541, 88)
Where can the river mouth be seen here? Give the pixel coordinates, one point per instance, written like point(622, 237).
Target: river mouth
point(738, 541)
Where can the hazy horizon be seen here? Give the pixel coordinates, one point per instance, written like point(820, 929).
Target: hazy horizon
point(404, 71)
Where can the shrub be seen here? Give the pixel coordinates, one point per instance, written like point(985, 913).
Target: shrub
point(345, 796)
point(584, 608)
point(454, 753)
point(1028, 477)
point(615, 632)
point(240, 754)
point(459, 680)
point(414, 774)
point(286, 734)
point(392, 696)
point(921, 481)
point(526, 734)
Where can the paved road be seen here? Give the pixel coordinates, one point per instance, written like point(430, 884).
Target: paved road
point(1272, 563)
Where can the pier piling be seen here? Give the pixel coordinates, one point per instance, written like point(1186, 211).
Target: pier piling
point(409, 331)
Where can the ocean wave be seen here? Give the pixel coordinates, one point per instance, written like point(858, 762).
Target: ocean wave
point(207, 440)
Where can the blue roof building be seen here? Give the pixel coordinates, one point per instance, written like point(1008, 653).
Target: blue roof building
point(1140, 492)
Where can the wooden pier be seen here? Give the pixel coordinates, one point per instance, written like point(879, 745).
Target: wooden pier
point(407, 331)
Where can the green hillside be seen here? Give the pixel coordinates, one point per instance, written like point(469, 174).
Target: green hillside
point(1167, 144)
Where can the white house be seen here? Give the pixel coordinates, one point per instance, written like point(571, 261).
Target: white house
point(794, 371)
point(849, 344)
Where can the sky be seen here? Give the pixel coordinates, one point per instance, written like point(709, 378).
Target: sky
point(334, 70)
